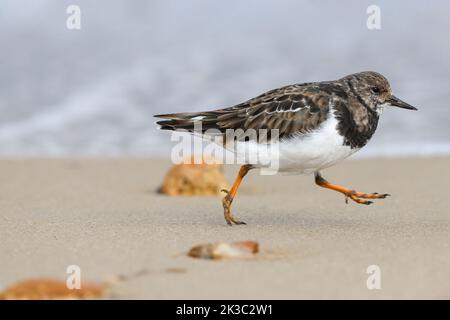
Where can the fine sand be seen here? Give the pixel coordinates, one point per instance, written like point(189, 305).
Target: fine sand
point(105, 216)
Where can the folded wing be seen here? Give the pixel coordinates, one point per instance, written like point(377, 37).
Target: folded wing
point(294, 109)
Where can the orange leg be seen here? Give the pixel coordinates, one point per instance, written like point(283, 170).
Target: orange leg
point(228, 199)
point(352, 194)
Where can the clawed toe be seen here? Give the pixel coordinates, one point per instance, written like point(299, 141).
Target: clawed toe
point(358, 197)
point(375, 195)
point(226, 202)
point(231, 220)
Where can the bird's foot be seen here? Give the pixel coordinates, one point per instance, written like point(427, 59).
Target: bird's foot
point(359, 196)
point(226, 202)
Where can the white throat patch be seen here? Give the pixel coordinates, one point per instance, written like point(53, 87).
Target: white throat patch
point(381, 107)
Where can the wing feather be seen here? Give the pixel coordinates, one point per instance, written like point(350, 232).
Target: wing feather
point(293, 109)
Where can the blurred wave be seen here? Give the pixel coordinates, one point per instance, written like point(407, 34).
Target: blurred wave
point(94, 91)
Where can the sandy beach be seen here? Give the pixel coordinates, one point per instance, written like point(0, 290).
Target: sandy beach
point(105, 216)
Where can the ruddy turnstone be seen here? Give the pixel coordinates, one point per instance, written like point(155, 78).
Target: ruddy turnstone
point(319, 124)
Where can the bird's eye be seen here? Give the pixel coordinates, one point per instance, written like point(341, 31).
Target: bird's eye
point(375, 90)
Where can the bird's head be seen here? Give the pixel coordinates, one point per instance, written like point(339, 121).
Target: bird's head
point(374, 91)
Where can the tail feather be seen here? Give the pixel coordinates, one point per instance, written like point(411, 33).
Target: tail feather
point(185, 121)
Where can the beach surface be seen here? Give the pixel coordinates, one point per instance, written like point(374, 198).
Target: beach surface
point(105, 216)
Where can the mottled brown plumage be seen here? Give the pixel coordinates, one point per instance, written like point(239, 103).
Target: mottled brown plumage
point(300, 109)
point(292, 109)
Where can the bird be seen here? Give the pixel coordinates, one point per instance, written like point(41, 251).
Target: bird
point(317, 124)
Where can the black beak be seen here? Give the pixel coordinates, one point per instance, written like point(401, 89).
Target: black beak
point(396, 102)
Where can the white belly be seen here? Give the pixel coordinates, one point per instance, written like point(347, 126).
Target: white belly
point(302, 153)
point(318, 150)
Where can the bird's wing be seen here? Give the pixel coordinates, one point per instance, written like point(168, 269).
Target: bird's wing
point(294, 109)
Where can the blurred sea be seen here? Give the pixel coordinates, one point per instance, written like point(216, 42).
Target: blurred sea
point(94, 91)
